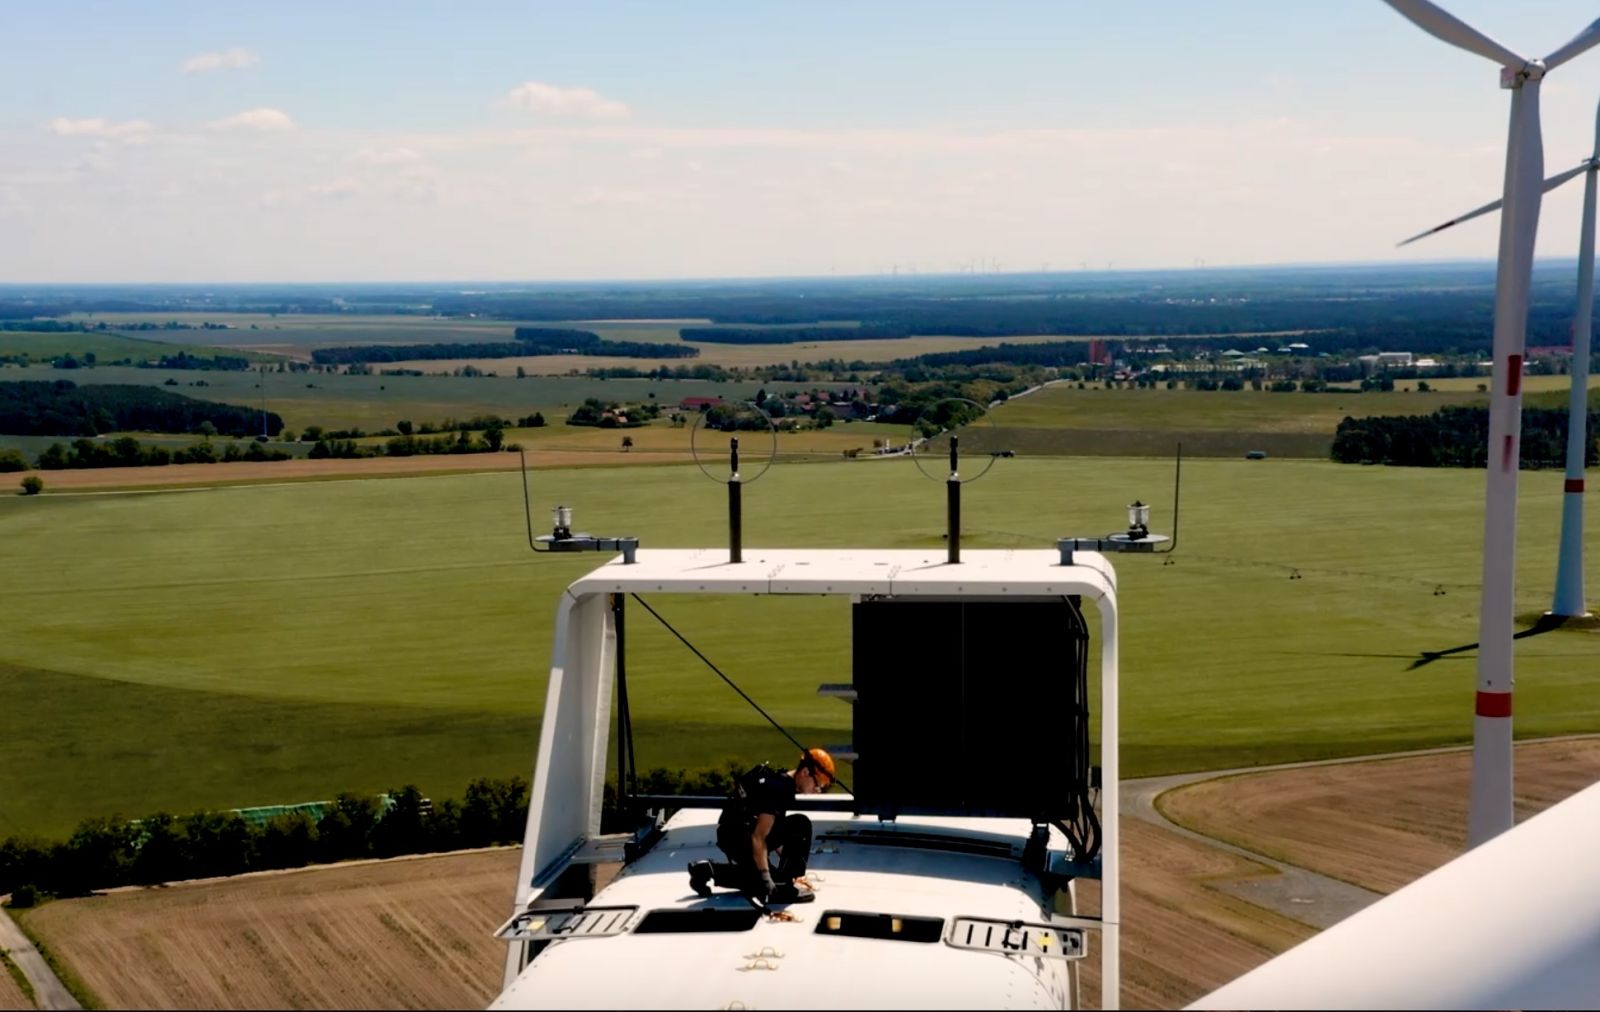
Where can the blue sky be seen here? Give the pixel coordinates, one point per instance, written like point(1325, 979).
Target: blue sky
point(494, 141)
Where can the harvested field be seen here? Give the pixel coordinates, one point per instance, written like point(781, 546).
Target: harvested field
point(411, 933)
point(11, 995)
point(1379, 824)
point(1182, 937)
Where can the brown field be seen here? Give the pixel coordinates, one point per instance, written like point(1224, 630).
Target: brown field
point(394, 934)
point(1380, 824)
point(11, 996)
point(1182, 937)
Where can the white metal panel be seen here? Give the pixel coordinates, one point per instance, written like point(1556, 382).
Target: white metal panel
point(788, 965)
point(1513, 923)
point(851, 571)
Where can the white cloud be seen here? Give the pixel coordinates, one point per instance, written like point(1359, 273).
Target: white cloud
point(550, 100)
point(387, 156)
point(226, 59)
point(256, 119)
point(96, 127)
point(336, 189)
point(606, 196)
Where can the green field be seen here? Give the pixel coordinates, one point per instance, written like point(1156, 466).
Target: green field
point(107, 347)
point(1064, 406)
point(296, 335)
point(274, 643)
point(336, 400)
point(1063, 420)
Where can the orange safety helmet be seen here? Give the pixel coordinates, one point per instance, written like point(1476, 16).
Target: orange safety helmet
point(818, 760)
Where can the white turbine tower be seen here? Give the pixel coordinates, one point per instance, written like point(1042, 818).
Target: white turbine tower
point(1569, 597)
point(1490, 813)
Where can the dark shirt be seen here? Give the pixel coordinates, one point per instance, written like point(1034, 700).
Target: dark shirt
point(762, 791)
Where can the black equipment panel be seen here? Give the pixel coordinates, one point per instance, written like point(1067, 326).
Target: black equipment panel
point(970, 707)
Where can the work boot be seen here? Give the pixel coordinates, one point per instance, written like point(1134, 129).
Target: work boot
point(788, 892)
point(700, 873)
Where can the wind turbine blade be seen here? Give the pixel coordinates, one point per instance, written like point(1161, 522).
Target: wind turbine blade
point(1549, 184)
point(1443, 25)
point(1580, 42)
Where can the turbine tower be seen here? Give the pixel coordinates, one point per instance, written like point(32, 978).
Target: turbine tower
point(1569, 597)
point(1491, 813)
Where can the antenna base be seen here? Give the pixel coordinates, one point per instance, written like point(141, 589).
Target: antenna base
point(628, 546)
point(1114, 543)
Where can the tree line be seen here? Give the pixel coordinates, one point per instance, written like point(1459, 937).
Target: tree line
point(411, 445)
point(361, 354)
point(1456, 436)
point(184, 360)
point(126, 451)
point(551, 341)
point(62, 408)
point(108, 852)
point(792, 335)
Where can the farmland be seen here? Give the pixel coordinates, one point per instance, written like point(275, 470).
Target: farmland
point(256, 644)
point(295, 336)
point(104, 346)
point(401, 934)
point(377, 402)
point(415, 933)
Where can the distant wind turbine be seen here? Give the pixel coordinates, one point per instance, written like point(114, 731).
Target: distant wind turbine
point(1569, 596)
point(1490, 813)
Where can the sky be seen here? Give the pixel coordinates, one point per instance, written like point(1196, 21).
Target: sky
point(407, 141)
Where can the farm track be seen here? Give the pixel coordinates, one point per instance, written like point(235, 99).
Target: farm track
point(48, 991)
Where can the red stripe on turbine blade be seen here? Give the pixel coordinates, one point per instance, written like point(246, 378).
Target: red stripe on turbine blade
point(1574, 485)
point(1513, 375)
point(1494, 704)
point(1505, 454)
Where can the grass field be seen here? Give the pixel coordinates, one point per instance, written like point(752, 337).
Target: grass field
point(106, 347)
point(258, 644)
point(377, 402)
point(297, 335)
point(1064, 406)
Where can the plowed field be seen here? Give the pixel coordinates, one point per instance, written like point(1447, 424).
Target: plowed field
point(1380, 824)
point(394, 934)
point(11, 996)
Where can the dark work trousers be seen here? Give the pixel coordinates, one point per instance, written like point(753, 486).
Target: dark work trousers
point(791, 834)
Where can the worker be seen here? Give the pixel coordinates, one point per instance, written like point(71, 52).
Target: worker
point(766, 846)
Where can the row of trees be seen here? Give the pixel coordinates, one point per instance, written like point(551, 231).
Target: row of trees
point(184, 360)
point(1455, 437)
point(492, 440)
point(792, 335)
point(361, 354)
point(108, 852)
point(551, 341)
point(126, 451)
point(62, 408)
